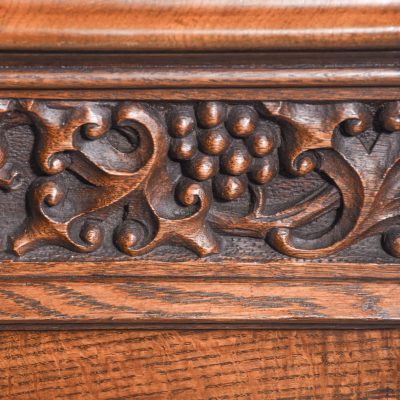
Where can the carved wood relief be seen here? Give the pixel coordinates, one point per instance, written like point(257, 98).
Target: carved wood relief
point(188, 174)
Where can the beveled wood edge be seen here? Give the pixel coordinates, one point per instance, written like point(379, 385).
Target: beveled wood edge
point(198, 71)
point(200, 269)
point(225, 94)
point(197, 78)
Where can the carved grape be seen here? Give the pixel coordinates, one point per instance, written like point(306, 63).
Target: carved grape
point(261, 143)
point(211, 113)
point(264, 170)
point(180, 125)
point(214, 141)
point(202, 167)
point(242, 121)
point(230, 145)
point(183, 149)
point(236, 161)
point(229, 187)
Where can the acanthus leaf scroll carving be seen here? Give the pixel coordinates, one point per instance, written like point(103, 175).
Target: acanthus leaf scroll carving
point(74, 138)
point(187, 174)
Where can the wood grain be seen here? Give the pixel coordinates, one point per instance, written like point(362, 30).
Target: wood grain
point(130, 182)
point(147, 302)
point(77, 177)
point(273, 365)
point(198, 25)
point(201, 269)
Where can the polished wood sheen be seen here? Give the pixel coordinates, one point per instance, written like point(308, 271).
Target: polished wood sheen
point(274, 365)
point(201, 25)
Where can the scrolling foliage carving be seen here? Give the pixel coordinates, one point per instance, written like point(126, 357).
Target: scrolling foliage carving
point(76, 138)
point(174, 168)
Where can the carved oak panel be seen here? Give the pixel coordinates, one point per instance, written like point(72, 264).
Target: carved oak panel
point(263, 179)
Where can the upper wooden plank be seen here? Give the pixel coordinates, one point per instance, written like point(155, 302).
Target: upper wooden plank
point(198, 25)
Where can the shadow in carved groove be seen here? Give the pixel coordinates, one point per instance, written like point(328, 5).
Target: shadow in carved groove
point(9, 176)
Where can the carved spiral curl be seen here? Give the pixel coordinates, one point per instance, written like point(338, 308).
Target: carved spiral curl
point(49, 193)
point(189, 193)
point(391, 241)
point(91, 233)
point(355, 126)
point(305, 163)
point(390, 116)
point(132, 235)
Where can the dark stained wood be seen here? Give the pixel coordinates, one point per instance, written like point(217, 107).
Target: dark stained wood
point(273, 365)
point(198, 25)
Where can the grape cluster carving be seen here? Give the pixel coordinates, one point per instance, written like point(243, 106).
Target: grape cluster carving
point(228, 147)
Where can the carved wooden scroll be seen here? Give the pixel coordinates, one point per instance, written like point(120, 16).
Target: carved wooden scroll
point(187, 174)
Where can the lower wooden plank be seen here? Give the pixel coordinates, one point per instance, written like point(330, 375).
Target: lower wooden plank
point(141, 301)
point(273, 365)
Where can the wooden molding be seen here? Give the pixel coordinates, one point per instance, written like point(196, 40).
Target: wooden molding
point(199, 25)
point(199, 71)
point(199, 199)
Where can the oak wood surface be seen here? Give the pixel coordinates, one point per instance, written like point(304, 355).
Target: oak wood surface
point(201, 269)
point(69, 156)
point(144, 302)
point(198, 25)
point(273, 365)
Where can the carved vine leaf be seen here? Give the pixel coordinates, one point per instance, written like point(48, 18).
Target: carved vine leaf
point(321, 137)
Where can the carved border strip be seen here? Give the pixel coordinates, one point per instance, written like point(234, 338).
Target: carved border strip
point(222, 150)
